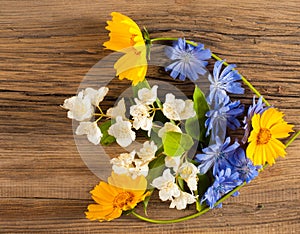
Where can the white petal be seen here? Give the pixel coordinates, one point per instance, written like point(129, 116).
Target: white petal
point(168, 127)
point(148, 96)
point(118, 110)
point(96, 96)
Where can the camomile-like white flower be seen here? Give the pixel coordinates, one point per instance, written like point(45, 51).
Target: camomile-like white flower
point(172, 162)
point(148, 96)
point(121, 130)
point(139, 168)
point(127, 164)
point(166, 186)
point(147, 152)
point(141, 117)
point(96, 96)
point(182, 200)
point(188, 172)
point(118, 110)
point(168, 127)
point(124, 160)
point(80, 107)
point(92, 131)
point(177, 109)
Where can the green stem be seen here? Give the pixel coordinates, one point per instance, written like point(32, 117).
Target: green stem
point(253, 89)
point(292, 139)
point(192, 216)
point(171, 39)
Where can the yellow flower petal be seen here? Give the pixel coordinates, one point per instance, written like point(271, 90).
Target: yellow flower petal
point(271, 117)
point(119, 194)
point(263, 143)
point(125, 36)
point(124, 32)
point(132, 65)
point(279, 147)
point(256, 122)
point(250, 151)
point(97, 212)
point(281, 130)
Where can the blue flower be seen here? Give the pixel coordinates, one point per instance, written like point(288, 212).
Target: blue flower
point(223, 115)
point(187, 60)
point(224, 182)
point(242, 165)
point(216, 156)
point(255, 108)
point(224, 82)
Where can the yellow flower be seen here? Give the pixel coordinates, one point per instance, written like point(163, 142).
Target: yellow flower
point(119, 194)
point(126, 36)
point(264, 145)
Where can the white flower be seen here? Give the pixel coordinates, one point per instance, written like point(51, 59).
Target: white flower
point(181, 201)
point(118, 110)
point(188, 110)
point(139, 169)
point(166, 185)
point(168, 127)
point(148, 96)
point(188, 172)
point(80, 107)
point(92, 131)
point(172, 162)
point(96, 96)
point(141, 117)
point(122, 163)
point(124, 160)
point(127, 164)
point(121, 130)
point(177, 109)
point(147, 152)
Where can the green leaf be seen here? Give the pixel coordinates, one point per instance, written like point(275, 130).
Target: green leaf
point(180, 183)
point(156, 168)
point(192, 127)
point(204, 183)
point(154, 136)
point(176, 143)
point(106, 139)
point(201, 107)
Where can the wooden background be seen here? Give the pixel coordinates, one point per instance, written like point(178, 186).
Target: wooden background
point(46, 48)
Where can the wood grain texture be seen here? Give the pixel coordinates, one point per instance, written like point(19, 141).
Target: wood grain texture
point(46, 48)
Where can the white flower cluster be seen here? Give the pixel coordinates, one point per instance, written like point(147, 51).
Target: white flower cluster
point(169, 190)
point(81, 108)
point(129, 164)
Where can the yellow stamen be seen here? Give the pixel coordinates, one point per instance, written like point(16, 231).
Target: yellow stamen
point(122, 199)
point(263, 136)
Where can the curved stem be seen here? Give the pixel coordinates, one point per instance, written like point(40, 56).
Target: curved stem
point(192, 216)
point(170, 220)
point(292, 139)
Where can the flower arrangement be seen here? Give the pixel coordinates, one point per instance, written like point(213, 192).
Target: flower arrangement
point(187, 152)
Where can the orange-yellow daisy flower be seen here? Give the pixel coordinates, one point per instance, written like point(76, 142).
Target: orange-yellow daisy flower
point(119, 194)
point(126, 36)
point(264, 145)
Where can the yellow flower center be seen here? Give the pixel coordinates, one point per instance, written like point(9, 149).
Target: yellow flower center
point(263, 136)
point(122, 199)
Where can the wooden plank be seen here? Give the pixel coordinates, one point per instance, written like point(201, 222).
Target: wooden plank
point(47, 47)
